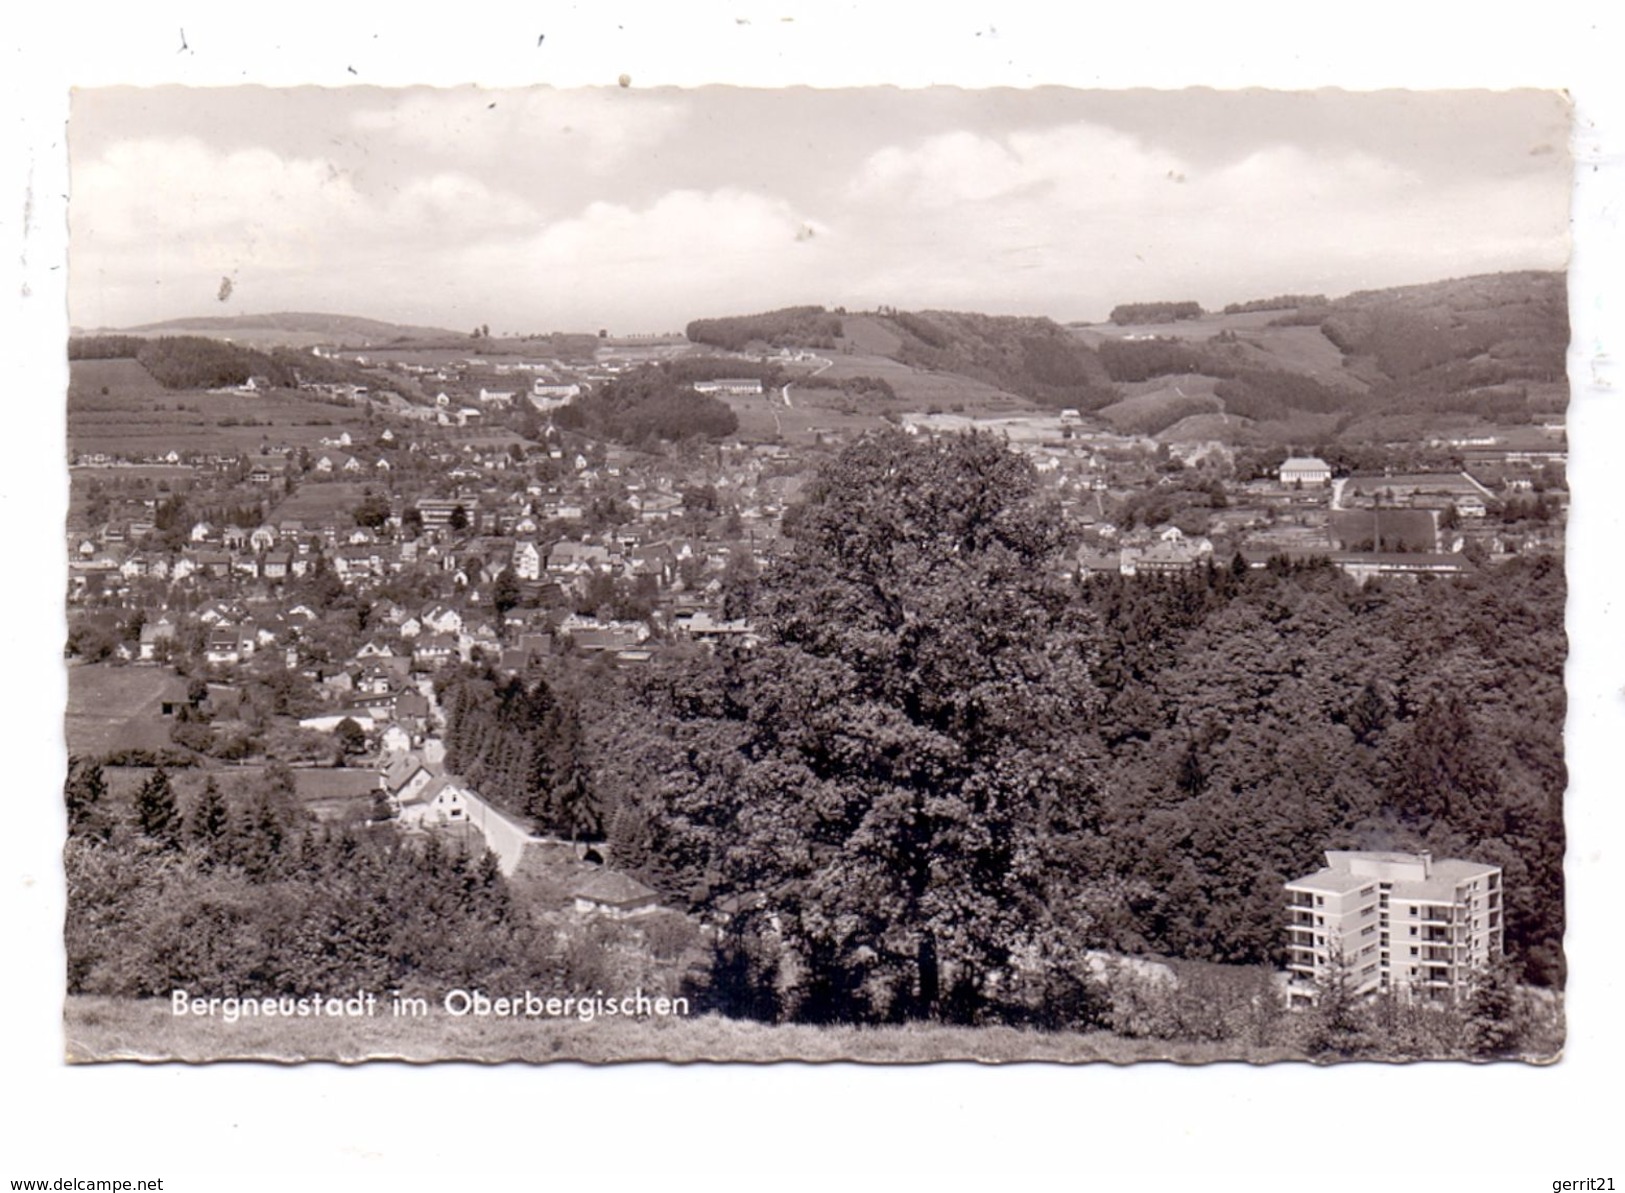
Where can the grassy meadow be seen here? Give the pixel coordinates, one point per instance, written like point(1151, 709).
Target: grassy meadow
point(108, 1029)
point(116, 406)
point(116, 708)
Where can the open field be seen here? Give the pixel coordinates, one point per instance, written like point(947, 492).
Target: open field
point(919, 390)
point(108, 1029)
point(132, 420)
point(869, 335)
point(116, 708)
point(1152, 406)
point(314, 500)
point(1198, 428)
point(122, 378)
point(1204, 328)
point(765, 418)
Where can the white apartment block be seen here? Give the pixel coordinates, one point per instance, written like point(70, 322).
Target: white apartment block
point(1393, 921)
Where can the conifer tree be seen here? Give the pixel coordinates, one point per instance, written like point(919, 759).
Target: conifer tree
point(156, 813)
point(209, 825)
point(85, 794)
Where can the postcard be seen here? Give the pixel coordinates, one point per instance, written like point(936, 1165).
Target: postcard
point(743, 574)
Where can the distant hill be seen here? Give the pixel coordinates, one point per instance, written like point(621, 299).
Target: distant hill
point(291, 328)
point(1405, 362)
point(1400, 362)
point(1036, 358)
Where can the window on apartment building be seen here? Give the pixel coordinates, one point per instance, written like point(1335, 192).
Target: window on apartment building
point(1320, 900)
point(1385, 938)
point(1413, 911)
point(1369, 930)
point(1370, 890)
point(1413, 929)
point(1413, 950)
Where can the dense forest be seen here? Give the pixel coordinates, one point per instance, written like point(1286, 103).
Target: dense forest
point(241, 893)
point(792, 327)
point(1034, 357)
point(942, 770)
point(518, 741)
point(1155, 312)
point(645, 407)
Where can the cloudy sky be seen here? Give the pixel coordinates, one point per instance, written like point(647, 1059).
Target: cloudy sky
point(639, 209)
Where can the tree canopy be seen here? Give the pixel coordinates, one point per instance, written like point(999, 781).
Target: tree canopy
point(888, 780)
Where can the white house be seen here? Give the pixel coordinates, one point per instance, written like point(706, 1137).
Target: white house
point(1305, 470)
point(443, 800)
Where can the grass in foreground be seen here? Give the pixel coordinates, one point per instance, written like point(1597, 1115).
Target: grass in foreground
point(110, 1029)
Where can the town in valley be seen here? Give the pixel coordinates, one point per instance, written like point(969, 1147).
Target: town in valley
point(438, 617)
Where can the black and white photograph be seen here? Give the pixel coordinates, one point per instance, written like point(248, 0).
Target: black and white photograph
point(748, 575)
point(658, 591)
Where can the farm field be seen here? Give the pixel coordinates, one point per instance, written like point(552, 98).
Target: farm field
point(123, 378)
point(918, 390)
point(196, 421)
point(137, 416)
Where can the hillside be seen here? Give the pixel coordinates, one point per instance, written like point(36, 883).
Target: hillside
point(1407, 362)
point(1403, 362)
point(1034, 358)
point(292, 328)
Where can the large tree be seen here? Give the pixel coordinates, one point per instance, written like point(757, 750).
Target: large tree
point(891, 780)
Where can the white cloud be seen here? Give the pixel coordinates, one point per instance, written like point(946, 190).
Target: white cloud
point(1039, 219)
point(150, 213)
point(1064, 220)
point(690, 253)
point(594, 129)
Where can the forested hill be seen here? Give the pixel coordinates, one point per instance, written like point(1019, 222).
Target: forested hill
point(297, 326)
point(198, 362)
point(1376, 364)
point(1453, 337)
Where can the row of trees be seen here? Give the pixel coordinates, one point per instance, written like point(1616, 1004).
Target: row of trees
point(1155, 312)
point(520, 744)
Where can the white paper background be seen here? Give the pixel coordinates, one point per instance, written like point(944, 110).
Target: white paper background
point(391, 1127)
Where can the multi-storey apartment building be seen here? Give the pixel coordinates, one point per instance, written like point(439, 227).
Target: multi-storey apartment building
point(1393, 921)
